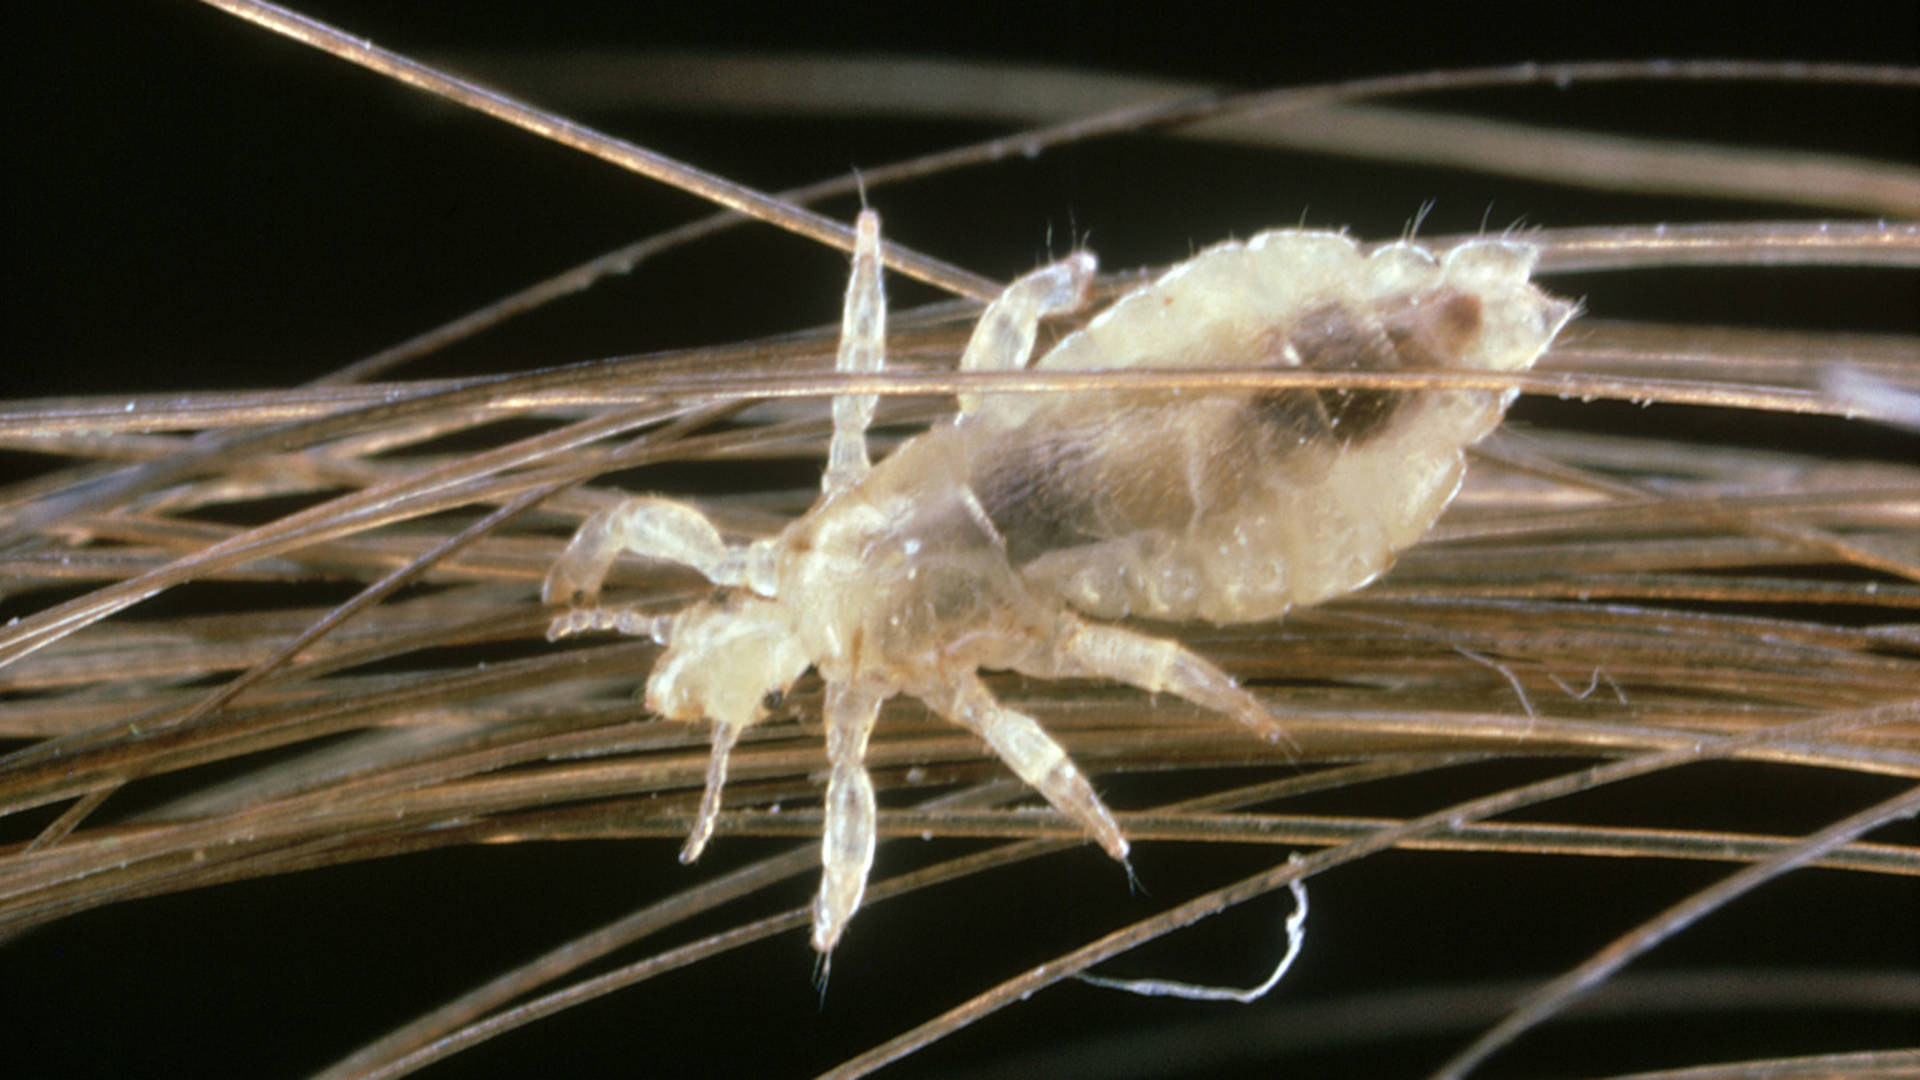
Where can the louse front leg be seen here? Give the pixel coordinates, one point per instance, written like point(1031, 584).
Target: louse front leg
point(1157, 665)
point(1003, 338)
point(863, 351)
point(653, 528)
point(1031, 753)
point(846, 848)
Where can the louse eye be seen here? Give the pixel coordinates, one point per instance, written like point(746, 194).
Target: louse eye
point(773, 700)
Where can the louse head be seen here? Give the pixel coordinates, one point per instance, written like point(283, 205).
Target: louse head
point(726, 660)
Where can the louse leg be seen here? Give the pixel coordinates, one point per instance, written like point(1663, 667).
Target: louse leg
point(1003, 338)
point(846, 849)
point(1157, 665)
point(1032, 754)
point(863, 350)
point(724, 736)
point(656, 529)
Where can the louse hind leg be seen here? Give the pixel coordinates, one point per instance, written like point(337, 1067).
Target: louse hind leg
point(863, 351)
point(1156, 665)
point(656, 529)
point(1032, 754)
point(846, 849)
point(1003, 338)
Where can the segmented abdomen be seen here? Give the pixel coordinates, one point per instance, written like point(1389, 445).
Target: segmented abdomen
point(1234, 507)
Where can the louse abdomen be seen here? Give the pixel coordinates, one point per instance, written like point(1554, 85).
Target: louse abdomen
point(1236, 507)
point(1427, 331)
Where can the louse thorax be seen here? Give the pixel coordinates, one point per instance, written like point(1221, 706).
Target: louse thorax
point(901, 577)
point(1235, 507)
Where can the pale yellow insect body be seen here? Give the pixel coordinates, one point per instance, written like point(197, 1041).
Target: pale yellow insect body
point(981, 543)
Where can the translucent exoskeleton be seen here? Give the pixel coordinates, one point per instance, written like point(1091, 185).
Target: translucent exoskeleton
point(987, 542)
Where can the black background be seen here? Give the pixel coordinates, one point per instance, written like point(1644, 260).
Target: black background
point(202, 206)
